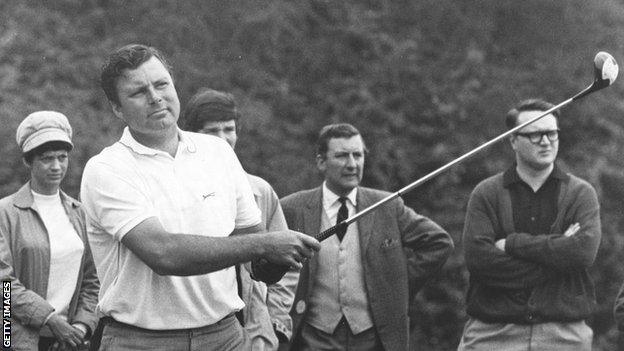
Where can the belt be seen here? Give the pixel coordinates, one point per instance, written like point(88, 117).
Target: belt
point(110, 321)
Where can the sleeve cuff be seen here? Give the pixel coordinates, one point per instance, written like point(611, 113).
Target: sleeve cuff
point(45, 321)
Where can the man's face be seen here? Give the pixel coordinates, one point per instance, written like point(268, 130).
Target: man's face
point(225, 130)
point(535, 155)
point(148, 101)
point(48, 170)
point(343, 164)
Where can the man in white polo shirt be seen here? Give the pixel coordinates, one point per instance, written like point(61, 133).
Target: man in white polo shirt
point(162, 205)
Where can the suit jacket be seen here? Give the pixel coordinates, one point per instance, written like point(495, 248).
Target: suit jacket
point(400, 251)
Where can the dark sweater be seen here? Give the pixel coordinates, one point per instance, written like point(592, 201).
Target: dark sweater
point(552, 267)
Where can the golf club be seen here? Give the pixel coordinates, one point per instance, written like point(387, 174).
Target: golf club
point(605, 72)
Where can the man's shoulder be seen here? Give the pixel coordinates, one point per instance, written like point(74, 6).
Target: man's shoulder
point(111, 154)
point(259, 183)
point(376, 194)
point(490, 183)
point(299, 197)
point(114, 159)
point(261, 187)
point(206, 142)
point(577, 181)
point(581, 188)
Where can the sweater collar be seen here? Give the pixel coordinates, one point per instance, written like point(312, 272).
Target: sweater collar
point(511, 176)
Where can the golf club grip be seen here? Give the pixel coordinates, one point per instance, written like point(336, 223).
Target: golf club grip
point(271, 273)
point(330, 231)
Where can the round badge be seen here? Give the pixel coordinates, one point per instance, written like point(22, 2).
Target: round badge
point(300, 307)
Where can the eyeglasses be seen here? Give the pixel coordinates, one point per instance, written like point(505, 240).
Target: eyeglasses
point(536, 137)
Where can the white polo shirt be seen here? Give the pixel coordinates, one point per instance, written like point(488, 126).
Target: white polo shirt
point(203, 190)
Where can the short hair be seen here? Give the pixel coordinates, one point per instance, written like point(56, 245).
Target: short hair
point(332, 131)
point(511, 119)
point(209, 105)
point(55, 145)
point(128, 57)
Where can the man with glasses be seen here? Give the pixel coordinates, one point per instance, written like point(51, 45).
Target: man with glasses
point(530, 235)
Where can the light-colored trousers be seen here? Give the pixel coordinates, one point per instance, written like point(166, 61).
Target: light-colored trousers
point(225, 335)
point(550, 336)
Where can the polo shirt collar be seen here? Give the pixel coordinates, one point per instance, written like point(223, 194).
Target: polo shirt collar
point(511, 176)
point(329, 197)
point(128, 140)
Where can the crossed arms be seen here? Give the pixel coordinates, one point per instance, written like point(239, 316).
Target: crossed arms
point(522, 260)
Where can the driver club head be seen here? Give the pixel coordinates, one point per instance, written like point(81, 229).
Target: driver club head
point(605, 70)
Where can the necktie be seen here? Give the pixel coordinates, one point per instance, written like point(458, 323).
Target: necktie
point(343, 213)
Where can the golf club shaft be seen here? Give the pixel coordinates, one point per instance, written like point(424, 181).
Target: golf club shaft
point(330, 231)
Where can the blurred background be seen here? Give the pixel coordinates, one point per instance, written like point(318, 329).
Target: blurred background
point(424, 81)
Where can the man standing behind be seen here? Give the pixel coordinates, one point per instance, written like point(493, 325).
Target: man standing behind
point(530, 235)
point(354, 294)
point(265, 316)
point(161, 206)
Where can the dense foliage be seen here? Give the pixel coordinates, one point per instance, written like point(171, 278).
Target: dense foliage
point(425, 81)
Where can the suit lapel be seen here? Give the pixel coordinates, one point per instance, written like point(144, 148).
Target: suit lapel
point(365, 224)
point(312, 225)
point(312, 213)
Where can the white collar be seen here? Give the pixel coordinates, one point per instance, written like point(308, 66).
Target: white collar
point(128, 140)
point(329, 197)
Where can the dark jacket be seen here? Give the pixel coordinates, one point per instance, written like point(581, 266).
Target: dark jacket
point(25, 262)
point(549, 268)
point(391, 276)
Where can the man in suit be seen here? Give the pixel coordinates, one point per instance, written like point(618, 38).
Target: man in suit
point(355, 293)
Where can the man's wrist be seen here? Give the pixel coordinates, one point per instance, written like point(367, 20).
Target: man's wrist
point(45, 321)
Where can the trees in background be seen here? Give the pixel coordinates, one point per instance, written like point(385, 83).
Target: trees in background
point(424, 81)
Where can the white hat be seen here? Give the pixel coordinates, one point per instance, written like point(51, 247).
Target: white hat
point(41, 127)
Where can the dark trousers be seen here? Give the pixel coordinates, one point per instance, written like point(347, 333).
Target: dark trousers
point(45, 343)
point(342, 339)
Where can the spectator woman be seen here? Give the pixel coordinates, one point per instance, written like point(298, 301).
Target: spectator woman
point(44, 251)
